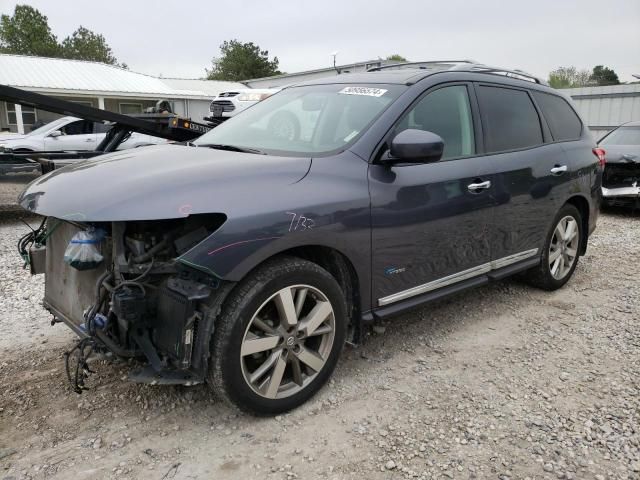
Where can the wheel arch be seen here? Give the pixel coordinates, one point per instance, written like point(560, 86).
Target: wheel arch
point(341, 268)
point(582, 204)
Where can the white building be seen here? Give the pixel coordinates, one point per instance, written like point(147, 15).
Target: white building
point(98, 85)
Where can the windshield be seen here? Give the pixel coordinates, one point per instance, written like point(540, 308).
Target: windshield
point(623, 136)
point(43, 129)
point(316, 119)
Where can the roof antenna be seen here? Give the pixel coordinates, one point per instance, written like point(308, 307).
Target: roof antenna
point(334, 55)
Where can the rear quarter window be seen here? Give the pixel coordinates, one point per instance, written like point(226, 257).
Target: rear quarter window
point(509, 118)
point(562, 120)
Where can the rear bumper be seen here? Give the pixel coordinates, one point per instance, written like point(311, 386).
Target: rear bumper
point(629, 192)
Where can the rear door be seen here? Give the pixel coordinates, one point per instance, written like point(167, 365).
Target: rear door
point(531, 176)
point(430, 221)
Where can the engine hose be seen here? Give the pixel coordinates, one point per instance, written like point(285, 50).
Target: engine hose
point(157, 248)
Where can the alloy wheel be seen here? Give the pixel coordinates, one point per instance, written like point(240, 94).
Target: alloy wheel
point(288, 341)
point(563, 250)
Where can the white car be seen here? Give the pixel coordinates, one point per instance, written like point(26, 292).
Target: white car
point(228, 104)
point(70, 134)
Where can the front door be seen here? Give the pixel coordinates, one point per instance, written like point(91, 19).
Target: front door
point(430, 221)
point(78, 135)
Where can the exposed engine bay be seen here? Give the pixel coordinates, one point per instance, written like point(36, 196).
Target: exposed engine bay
point(136, 300)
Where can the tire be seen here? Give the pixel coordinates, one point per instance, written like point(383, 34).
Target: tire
point(254, 344)
point(550, 275)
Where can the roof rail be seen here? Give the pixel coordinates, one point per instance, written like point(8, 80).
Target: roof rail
point(465, 66)
point(480, 68)
point(422, 65)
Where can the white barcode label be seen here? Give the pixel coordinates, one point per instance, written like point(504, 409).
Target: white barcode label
point(368, 91)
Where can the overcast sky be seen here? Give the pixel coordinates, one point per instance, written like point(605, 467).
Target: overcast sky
point(179, 38)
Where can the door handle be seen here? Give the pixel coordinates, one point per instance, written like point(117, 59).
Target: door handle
point(89, 140)
point(478, 187)
point(558, 169)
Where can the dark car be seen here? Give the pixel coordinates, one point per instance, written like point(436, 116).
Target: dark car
point(621, 178)
point(248, 260)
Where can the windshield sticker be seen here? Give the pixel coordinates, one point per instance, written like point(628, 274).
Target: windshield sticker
point(350, 136)
point(368, 91)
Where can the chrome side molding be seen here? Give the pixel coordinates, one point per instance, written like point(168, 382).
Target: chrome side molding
point(458, 277)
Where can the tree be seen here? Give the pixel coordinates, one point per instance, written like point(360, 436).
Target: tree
point(604, 76)
point(396, 58)
point(27, 32)
point(83, 44)
point(242, 61)
point(569, 77)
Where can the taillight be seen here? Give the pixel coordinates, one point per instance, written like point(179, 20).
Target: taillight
point(600, 153)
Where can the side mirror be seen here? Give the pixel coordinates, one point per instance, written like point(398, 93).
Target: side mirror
point(55, 133)
point(415, 146)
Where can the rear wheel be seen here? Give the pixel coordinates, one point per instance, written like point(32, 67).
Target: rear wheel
point(561, 251)
point(278, 337)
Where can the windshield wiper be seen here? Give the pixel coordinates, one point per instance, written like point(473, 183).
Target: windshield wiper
point(232, 148)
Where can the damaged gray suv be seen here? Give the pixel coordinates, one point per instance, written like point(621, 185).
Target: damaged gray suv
point(247, 260)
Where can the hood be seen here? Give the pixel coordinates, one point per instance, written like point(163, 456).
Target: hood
point(622, 153)
point(160, 182)
point(10, 136)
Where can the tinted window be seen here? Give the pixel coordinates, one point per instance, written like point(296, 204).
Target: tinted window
point(562, 120)
point(447, 113)
point(509, 119)
point(79, 127)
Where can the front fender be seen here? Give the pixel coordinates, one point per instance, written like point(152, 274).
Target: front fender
point(328, 208)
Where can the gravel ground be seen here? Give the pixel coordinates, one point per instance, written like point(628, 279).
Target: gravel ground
point(500, 382)
point(11, 185)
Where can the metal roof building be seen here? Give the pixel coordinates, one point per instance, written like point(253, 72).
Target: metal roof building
point(604, 108)
point(99, 85)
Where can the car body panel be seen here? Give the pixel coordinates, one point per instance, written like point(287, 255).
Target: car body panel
point(295, 214)
point(160, 182)
point(418, 210)
point(528, 196)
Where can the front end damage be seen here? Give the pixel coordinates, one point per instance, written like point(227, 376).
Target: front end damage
point(621, 184)
point(140, 301)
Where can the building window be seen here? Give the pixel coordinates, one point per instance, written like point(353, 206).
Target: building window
point(130, 108)
point(29, 116)
point(83, 103)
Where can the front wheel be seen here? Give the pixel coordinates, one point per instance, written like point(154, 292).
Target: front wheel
point(561, 251)
point(278, 337)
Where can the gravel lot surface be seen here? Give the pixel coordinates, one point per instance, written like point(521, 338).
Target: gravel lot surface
point(502, 382)
point(12, 185)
